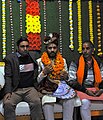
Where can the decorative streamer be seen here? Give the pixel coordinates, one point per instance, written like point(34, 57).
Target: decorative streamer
point(44, 4)
point(33, 26)
point(79, 26)
point(3, 28)
point(11, 25)
point(90, 21)
point(21, 31)
point(100, 53)
point(71, 45)
point(60, 23)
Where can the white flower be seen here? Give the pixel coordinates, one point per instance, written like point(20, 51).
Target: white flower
point(50, 35)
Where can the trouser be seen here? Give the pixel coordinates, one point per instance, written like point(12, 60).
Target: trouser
point(85, 110)
point(29, 95)
point(67, 105)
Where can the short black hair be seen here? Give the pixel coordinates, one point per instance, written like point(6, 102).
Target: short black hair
point(90, 43)
point(21, 39)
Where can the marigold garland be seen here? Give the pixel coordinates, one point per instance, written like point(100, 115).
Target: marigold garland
point(90, 21)
point(71, 45)
point(3, 28)
point(100, 53)
point(57, 66)
point(79, 26)
point(33, 26)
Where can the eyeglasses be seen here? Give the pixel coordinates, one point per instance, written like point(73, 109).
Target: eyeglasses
point(23, 46)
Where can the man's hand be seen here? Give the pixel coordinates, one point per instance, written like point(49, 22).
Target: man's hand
point(7, 96)
point(48, 69)
point(63, 75)
point(98, 92)
point(90, 93)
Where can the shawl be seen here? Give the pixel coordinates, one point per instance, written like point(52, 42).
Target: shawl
point(81, 68)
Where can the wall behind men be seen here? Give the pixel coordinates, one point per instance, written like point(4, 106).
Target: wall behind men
point(52, 21)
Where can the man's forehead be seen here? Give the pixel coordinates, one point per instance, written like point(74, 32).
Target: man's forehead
point(86, 45)
point(52, 45)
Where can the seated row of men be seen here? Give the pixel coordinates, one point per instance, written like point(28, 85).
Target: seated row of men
point(30, 79)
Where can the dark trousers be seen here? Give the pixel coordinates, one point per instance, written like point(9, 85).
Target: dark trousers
point(77, 115)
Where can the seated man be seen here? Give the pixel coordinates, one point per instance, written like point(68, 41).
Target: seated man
point(20, 81)
point(84, 76)
point(52, 78)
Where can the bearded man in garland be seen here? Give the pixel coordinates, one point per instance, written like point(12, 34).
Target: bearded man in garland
point(53, 74)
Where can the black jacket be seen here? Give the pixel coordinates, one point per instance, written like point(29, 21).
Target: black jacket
point(12, 74)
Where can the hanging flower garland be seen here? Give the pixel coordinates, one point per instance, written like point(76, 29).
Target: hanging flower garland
point(21, 31)
point(60, 23)
point(33, 26)
point(3, 28)
point(11, 25)
point(44, 4)
point(71, 45)
point(90, 21)
point(79, 26)
point(57, 66)
point(100, 53)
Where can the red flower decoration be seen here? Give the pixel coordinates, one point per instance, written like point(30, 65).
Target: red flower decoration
point(32, 8)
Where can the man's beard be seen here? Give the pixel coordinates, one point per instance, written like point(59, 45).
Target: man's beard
point(85, 55)
point(52, 55)
point(24, 53)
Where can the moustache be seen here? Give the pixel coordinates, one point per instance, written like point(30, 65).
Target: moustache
point(24, 53)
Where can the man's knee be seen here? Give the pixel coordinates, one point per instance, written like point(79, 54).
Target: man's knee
point(8, 103)
point(85, 104)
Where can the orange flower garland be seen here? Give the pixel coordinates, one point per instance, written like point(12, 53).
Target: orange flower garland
point(33, 26)
point(57, 67)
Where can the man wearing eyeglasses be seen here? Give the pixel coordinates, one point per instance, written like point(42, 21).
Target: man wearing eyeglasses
point(20, 81)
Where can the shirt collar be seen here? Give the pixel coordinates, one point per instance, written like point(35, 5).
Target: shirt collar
point(18, 54)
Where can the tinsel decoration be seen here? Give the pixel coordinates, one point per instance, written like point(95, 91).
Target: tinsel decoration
point(11, 26)
point(60, 24)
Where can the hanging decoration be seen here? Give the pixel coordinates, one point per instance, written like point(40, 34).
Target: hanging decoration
point(3, 28)
point(60, 24)
point(44, 4)
point(71, 45)
point(21, 31)
point(100, 53)
point(79, 26)
point(90, 21)
point(33, 26)
point(11, 26)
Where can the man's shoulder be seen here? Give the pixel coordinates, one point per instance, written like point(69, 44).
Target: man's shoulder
point(97, 59)
point(11, 55)
point(34, 54)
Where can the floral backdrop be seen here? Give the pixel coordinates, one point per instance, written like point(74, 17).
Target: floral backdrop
point(75, 21)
